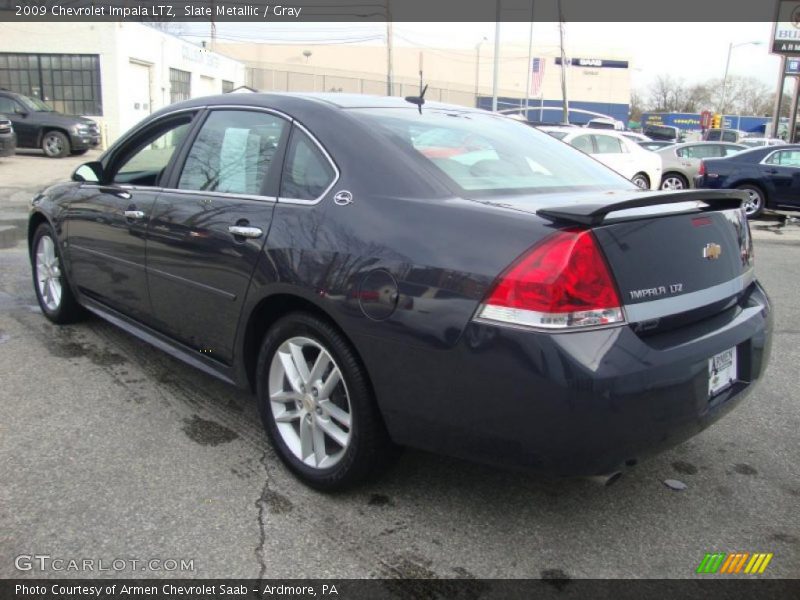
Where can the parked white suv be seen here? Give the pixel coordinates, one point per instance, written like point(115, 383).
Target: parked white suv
point(616, 151)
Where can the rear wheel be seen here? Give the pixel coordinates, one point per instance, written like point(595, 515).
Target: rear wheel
point(641, 181)
point(754, 205)
point(55, 144)
point(317, 405)
point(50, 281)
point(674, 181)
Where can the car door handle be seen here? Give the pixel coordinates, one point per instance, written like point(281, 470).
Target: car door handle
point(134, 214)
point(246, 232)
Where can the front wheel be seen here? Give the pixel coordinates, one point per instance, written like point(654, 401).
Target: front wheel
point(50, 281)
point(754, 205)
point(317, 405)
point(641, 181)
point(55, 144)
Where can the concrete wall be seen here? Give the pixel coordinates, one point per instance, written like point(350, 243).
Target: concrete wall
point(119, 44)
point(450, 73)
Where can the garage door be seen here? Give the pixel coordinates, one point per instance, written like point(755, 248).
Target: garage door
point(208, 86)
point(137, 99)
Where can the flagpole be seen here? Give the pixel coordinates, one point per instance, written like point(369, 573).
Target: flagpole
point(530, 66)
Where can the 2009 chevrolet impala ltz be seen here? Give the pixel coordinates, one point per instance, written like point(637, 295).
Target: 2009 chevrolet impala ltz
point(385, 273)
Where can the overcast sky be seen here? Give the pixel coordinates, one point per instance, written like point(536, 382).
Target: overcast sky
point(692, 51)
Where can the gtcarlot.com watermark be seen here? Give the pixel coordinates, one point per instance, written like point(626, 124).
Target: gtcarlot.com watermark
point(45, 563)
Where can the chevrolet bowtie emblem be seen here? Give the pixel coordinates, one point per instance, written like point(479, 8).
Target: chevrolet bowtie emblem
point(712, 251)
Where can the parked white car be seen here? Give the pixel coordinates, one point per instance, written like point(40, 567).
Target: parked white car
point(757, 142)
point(616, 151)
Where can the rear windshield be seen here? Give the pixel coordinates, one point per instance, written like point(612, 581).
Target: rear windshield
point(484, 153)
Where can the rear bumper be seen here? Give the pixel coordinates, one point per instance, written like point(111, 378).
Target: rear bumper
point(570, 404)
point(8, 144)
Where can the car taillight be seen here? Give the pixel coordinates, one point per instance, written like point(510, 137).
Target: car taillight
point(561, 283)
point(702, 169)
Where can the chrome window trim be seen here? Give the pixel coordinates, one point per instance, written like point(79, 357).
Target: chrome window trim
point(336, 171)
point(220, 194)
point(231, 195)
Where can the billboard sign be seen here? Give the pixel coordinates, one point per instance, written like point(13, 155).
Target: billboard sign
point(786, 30)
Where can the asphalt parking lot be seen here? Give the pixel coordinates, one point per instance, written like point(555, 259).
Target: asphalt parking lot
point(110, 449)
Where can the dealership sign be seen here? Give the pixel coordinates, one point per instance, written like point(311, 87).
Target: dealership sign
point(596, 63)
point(786, 31)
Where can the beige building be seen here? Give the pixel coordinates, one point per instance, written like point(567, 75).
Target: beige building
point(459, 76)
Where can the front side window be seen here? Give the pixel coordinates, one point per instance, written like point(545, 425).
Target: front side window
point(145, 163)
point(233, 152)
point(493, 154)
point(307, 173)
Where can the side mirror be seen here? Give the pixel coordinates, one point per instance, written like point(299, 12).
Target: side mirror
point(21, 112)
point(91, 172)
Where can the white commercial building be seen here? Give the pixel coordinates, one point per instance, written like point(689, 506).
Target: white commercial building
point(115, 73)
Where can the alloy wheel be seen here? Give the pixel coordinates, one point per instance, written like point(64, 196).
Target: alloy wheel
point(310, 402)
point(53, 145)
point(672, 183)
point(48, 273)
point(753, 203)
point(641, 182)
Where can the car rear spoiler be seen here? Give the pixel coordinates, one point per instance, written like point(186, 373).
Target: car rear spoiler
point(594, 214)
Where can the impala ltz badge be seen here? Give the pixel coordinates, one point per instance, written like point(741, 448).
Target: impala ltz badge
point(712, 251)
point(343, 198)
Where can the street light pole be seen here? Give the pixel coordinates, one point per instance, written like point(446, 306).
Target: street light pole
point(722, 107)
point(724, 92)
point(496, 74)
point(478, 69)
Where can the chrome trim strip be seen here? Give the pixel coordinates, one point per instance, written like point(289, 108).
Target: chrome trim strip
point(190, 282)
point(655, 309)
point(220, 194)
point(330, 161)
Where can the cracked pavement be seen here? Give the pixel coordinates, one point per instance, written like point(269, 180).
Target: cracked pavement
point(111, 449)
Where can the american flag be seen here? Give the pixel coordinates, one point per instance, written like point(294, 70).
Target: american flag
point(537, 69)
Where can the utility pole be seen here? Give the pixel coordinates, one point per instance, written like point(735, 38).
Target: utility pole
point(496, 74)
point(389, 74)
point(724, 93)
point(530, 66)
point(478, 69)
point(565, 107)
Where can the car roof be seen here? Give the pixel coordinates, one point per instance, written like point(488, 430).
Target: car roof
point(294, 100)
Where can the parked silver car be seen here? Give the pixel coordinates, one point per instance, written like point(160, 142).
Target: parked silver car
point(681, 162)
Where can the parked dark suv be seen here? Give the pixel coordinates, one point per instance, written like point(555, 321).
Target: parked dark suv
point(39, 126)
point(8, 139)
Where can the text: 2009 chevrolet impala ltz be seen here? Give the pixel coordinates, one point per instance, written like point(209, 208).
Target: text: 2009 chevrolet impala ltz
point(447, 279)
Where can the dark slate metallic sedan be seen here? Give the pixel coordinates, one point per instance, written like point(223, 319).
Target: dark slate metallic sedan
point(770, 175)
point(443, 278)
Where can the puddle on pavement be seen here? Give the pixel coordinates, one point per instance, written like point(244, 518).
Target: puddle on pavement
point(11, 232)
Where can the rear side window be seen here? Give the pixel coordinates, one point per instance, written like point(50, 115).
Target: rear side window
point(785, 158)
point(583, 143)
point(701, 151)
point(608, 145)
point(486, 154)
point(307, 173)
point(233, 152)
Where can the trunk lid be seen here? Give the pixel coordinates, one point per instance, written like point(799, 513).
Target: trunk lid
point(676, 257)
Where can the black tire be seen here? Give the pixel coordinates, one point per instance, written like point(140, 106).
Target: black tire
point(369, 450)
point(674, 181)
point(755, 206)
point(79, 152)
point(55, 144)
point(641, 181)
point(67, 310)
